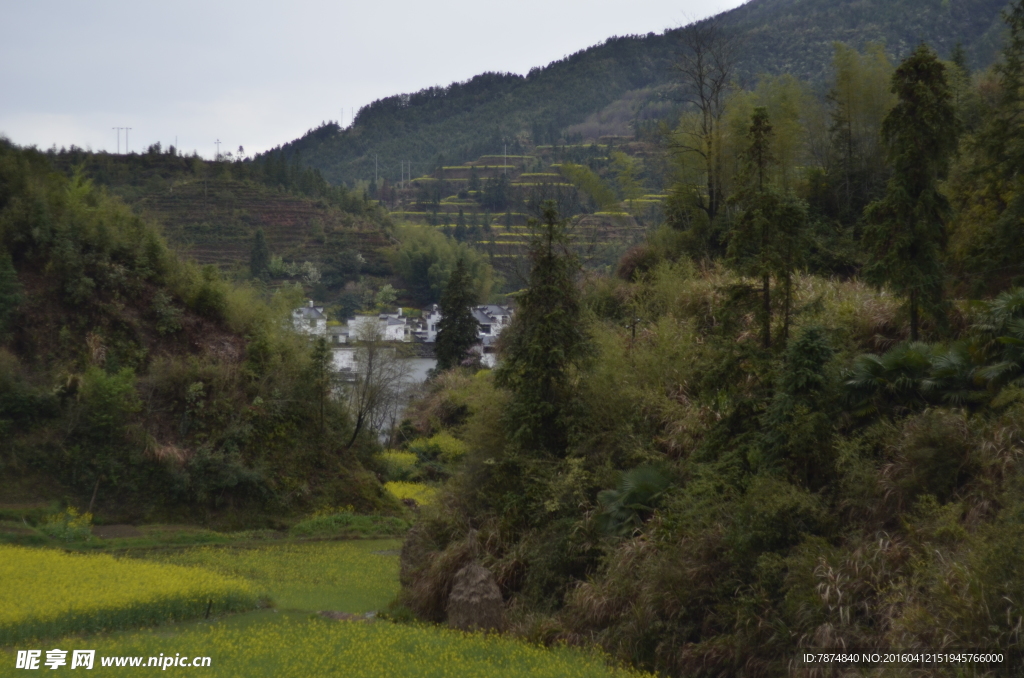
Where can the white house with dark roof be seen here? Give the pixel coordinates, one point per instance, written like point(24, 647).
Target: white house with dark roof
point(391, 326)
point(310, 319)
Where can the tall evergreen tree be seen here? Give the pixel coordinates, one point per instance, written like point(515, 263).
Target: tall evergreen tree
point(769, 237)
point(545, 344)
point(905, 232)
point(457, 329)
point(259, 258)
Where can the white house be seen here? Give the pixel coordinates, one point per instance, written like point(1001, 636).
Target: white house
point(491, 319)
point(390, 326)
point(431, 318)
point(310, 320)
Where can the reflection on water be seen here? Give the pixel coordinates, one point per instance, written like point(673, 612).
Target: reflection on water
point(414, 377)
point(418, 368)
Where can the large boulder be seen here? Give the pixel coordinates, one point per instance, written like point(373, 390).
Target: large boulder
point(475, 602)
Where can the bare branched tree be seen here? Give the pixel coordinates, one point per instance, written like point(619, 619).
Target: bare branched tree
point(381, 382)
point(705, 65)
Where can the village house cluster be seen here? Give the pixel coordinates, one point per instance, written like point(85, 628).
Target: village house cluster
point(397, 327)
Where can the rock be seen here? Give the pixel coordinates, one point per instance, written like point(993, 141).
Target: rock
point(475, 601)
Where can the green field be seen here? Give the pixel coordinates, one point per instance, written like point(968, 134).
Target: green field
point(302, 578)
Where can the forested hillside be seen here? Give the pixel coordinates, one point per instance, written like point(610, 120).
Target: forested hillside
point(140, 386)
point(628, 78)
point(210, 211)
point(793, 419)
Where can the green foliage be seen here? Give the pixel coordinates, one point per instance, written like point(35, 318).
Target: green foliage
point(457, 329)
point(545, 344)
point(348, 524)
point(68, 525)
point(442, 446)
point(601, 195)
point(168, 316)
point(427, 258)
point(769, 237)
point(906, 228)
point(259, 257)
point(637, 494)
point(798, 421)
point(10, 293)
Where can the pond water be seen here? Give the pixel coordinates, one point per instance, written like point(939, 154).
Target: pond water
point(418, 368)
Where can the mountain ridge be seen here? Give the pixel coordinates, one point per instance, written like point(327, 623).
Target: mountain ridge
point(492, 111)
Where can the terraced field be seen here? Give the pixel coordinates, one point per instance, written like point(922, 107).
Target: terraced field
point(214, 222)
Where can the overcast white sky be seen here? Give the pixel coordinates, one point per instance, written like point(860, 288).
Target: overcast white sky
point(258, 74)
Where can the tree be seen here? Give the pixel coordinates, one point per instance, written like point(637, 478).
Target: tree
point(860, 100)
point(545, 344)
point(768, 238)
point(259, 259)
point(426, 258)
point(381, 379)
point(322, 377)
point(457, 329)
point(905, 232)
point(705, 65)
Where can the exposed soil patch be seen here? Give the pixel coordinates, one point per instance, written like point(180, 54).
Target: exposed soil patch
point(116, 531)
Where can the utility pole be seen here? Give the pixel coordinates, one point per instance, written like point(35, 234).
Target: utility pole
point(126, 151)
point(118, 138)
point(218, 149)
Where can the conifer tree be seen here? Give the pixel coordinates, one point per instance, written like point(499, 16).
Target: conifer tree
point(545, 344)
point(457, 330)
point(905, 232)
point(259, 258)
point(769, 237)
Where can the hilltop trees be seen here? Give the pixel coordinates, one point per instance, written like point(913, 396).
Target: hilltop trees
point(906, 228)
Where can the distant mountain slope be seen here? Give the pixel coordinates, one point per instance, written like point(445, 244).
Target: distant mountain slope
point(492, 110)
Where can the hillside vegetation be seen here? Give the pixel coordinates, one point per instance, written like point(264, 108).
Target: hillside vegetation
point(631, 79)
point(138, 385)
point(793, 419)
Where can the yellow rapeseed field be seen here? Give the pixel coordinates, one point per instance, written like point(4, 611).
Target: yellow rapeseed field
point(347, 576)
point(47, 593)
point(423, 494)
point(287, 646)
